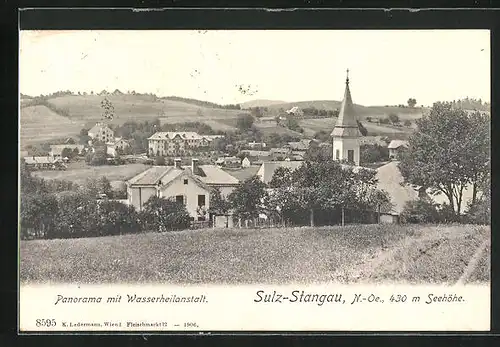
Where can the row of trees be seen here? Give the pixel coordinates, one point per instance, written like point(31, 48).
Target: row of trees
point(303, 192)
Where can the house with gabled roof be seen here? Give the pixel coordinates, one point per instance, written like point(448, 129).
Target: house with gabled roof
point(101, 132)
point(189, 185)
point(396, 148)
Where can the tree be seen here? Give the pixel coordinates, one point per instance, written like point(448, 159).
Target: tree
point(412, 102)
point(247, 200)
point(373, 153)
point(99, 156)
point(218, 203)
point(393, 118)
point(77, 216)
point(116, 218)
point(407, 123)
point(108, 109)
point(449, 151)
point(322, 135)
point(162, 214)
point(245, 122)
point(369, 119)
point(37, 215)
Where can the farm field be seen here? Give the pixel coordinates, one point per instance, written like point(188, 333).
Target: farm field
point(79, 174)
point(39, 124)
point(351, 254)
point(138, 108)
point(311, 126)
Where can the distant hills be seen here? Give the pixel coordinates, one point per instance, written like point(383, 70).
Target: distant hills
point(261, 103)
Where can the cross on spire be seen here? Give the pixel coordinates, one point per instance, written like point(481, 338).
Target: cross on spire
point(347, 79)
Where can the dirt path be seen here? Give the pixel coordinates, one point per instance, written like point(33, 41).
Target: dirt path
point(368, 267)
point(473, 263)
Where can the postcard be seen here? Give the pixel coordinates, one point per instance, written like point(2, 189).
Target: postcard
point(254, 180)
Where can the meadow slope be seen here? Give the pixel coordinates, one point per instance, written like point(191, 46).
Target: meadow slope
point(351, 254)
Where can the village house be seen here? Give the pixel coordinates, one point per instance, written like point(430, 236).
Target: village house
point(56, 150)
point(189, 185)
point(296, 111)
point(116, 145)
point(280, 153)
point(231, 162)
point(45, 162)
point(256, 145)
point(396, 148)
point(246, 162)
point(211, 138)
point(101, 132)
point(302, 145)
point(175, 143)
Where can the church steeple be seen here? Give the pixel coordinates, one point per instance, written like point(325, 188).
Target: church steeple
point(346, 132)
point(347, 125)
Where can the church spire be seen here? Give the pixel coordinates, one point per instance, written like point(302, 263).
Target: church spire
point(347, 125)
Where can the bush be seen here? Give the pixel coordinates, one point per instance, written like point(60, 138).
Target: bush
point(76, 216)
point(479, 213)
point(161, 214)
point(420, 211)
point(116, 218)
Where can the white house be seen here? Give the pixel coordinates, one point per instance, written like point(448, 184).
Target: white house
point(396, 147)
point(190, 185)
point(116, 144)
point(101, 132)
point(246, 162)
point(296, 111)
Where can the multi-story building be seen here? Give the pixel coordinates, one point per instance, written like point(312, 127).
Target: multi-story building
point(175, 143)
point(101, 132)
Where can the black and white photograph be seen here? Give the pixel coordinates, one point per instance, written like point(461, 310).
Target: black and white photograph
point(254, 157)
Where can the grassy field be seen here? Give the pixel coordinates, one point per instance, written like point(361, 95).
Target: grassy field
point(351, 254)
point(39, 124)
point(311, 126)
point(362, 111)
point(79, 173)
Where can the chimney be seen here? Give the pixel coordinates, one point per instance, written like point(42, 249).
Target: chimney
point(177, 163)
point(194, 166)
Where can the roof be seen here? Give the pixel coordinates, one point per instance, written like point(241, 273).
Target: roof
point(253, 153)
point(390, 180)
point(40, 160)
point(279, 150)
point(57, 149)
point(397, 143)
point(169, 135)
point(347, 125)
point(267, 169)
point(208, 174)
point(99, 126)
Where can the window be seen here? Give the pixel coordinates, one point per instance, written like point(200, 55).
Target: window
point(185, 181)
point(350, 155)
point(201, 200)
point(337, 154)
point(179, 199)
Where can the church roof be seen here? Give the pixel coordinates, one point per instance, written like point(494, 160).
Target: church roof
point(347, 125)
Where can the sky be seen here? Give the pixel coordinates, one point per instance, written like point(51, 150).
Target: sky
point(386, 67)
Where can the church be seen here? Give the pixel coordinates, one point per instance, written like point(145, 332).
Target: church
point(346, 133)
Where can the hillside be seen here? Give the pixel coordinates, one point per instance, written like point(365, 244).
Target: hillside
point(39, 124)
point(363, 111)
point(311, 126)
point(44, 122)
point(261, 103)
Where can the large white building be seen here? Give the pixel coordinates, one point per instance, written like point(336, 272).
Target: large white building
point(176, 143)
point(346, 134)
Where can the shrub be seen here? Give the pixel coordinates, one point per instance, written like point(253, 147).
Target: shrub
point(420, 211)
point(161, 214)
point(76, 216)
point(479, 213)
point(116, 218)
